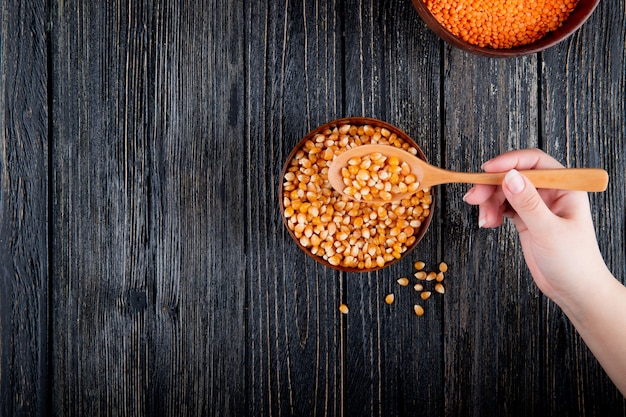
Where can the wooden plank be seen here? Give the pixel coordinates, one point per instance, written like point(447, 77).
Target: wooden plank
point(149, 247)
point(199, 328)
point(100, 214)
point(178, 291)
point(584, 89)
point(294, 329)
point(394, 359)
point(23, 210)
point(491, 329)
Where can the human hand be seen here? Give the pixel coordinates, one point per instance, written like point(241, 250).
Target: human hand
point(555, 226)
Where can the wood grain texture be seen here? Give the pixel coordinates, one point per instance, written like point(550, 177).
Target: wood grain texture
point(584, 124)
point(394, 360)
point(23, 209)
point(536, 332)
point(294, 332)
point(149, 210)
point(490, 326)
point(163, 282)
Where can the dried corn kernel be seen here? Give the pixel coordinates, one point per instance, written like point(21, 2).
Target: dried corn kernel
point(377, 177)
point(440, 288)
point(421, 275)
point(425, 295)
point(403, 281)
point(419, 310)
point(390, 298)
point(443, 267)
point(419, 265)
point(343, 309)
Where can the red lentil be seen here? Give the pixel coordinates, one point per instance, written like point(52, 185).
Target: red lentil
point(500, 24)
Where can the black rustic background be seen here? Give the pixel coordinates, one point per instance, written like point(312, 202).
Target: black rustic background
point(144, 266)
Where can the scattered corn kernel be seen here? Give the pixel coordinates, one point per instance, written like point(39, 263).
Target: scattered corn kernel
point(439, 277)
point(419, 265)
point(502, 23)
point(425, 295)
point(431, 276)
point(440, 288)
point(418, 287)
point(389, 298)
point(343, 309)
point(421, 275)
point(443, 267)
point(419, 310)
point(403, 281)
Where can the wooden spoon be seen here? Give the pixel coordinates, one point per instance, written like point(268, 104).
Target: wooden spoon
point(582, 179)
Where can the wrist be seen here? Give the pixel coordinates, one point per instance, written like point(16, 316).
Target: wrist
point(583, 299)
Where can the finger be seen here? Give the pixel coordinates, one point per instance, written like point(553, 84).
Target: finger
point(479, 194)
point(491, 212)
point(508, 210)
point(491, 204)
point(527, 203)
point(521, 159)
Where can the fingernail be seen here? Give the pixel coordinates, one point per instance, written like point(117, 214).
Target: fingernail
point(482, 219)
point(468, 193)
point(514, 181)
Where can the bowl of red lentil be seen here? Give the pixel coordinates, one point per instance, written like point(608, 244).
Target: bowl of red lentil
point(335, 230)
point(504, 28)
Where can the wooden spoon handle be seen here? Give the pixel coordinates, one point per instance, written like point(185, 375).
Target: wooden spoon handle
point(580, 179)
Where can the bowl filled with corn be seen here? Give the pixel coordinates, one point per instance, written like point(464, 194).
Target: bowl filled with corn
point(504, 28)
point(340, 231)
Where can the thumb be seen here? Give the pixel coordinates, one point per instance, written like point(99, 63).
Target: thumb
point(526, 201)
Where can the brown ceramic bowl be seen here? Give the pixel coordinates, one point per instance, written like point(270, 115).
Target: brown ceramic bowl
point(285, 189)
point(578, 16)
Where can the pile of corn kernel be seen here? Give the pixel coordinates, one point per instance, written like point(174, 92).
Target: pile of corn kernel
point(500, 24)
point(344, 232)
point(376, 176)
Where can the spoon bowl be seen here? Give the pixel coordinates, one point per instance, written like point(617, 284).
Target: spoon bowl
point(581, 179)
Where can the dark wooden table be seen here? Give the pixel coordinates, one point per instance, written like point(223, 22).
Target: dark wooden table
point(144, 266)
